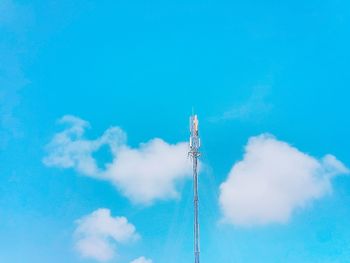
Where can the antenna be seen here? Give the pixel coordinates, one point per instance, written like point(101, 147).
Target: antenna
point(194, 153)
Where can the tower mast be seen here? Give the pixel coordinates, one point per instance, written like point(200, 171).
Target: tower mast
point(194, 153)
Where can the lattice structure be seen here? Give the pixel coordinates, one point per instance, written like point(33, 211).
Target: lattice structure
point(194, 154)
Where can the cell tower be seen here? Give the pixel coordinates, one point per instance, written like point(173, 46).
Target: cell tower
point(194, 153)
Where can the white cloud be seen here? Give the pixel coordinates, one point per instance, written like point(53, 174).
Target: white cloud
point(69, 148)
point(150, 171)
point(142, 260)
point(273, 180)
point(142, 174)
point(98, 233)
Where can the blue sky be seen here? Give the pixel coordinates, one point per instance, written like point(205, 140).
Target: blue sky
point(247, 67)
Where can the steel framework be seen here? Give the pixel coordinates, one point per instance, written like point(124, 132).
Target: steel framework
point(194, 154)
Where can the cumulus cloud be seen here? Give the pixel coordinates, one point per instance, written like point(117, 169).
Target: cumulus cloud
point(69, 148)
point(141, 260)
point(150, 171)
point(98, 234)
point(273, 180)
point(143, 174)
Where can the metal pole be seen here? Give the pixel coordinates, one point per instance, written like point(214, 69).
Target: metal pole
point(194, 153)
point(196, 223)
